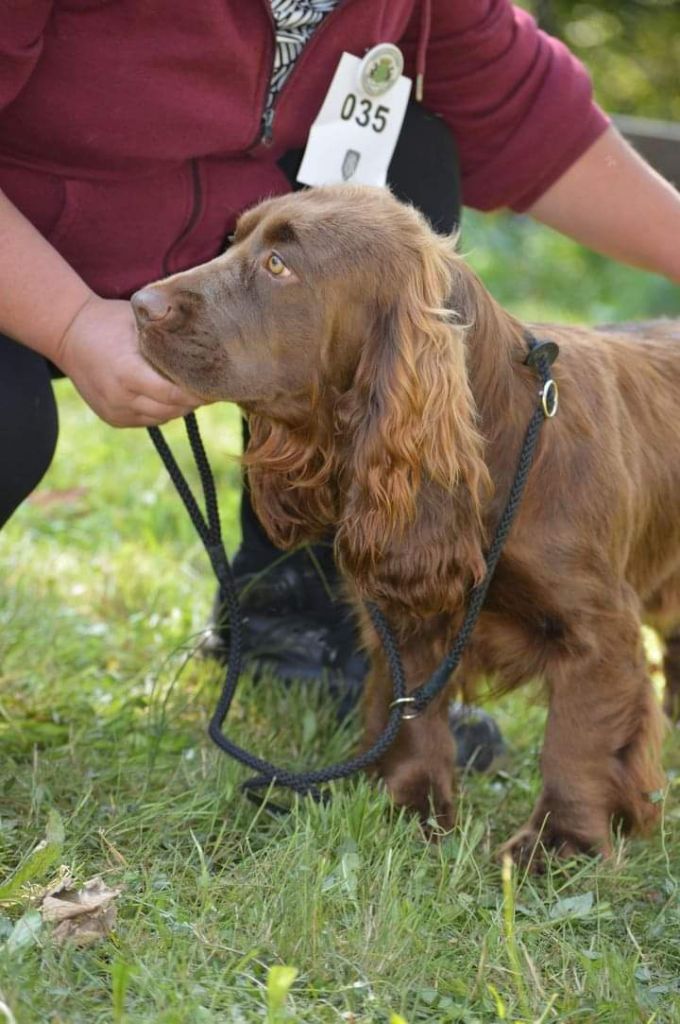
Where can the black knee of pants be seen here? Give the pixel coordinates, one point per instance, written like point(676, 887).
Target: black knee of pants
point(28, 423)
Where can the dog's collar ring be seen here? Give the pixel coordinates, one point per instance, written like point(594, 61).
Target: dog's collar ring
point(550, 398)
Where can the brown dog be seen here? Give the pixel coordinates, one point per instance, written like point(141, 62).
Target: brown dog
point(388, 401)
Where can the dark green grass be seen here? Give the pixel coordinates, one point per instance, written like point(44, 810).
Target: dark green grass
point(103, 716)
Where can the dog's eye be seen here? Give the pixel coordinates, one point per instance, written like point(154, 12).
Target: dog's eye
point(276, 266)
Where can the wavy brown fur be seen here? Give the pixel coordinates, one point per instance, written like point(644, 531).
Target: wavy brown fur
point(386, 391)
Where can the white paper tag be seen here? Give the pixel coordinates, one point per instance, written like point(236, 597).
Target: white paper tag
point(354, 135)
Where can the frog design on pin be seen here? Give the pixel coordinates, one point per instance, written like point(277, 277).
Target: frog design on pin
point(382, 71)
point(381, 68)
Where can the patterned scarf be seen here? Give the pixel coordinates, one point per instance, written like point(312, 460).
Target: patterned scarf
point(295, 22)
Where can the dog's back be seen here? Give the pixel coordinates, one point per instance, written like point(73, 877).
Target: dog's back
point(628, 381)
point(663, 329)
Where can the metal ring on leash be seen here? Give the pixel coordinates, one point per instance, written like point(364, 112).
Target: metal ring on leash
point(405, 716)
point(550, 398)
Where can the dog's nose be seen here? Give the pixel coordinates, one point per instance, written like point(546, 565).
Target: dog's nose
point(151, 304)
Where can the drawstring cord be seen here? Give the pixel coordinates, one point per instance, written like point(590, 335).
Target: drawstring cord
point(403, 706)
point(424, 30)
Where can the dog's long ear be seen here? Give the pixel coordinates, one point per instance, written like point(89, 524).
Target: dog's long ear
point(414, 475)
point(290, 478)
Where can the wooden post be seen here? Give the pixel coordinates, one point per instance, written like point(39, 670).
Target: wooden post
point(657, 141)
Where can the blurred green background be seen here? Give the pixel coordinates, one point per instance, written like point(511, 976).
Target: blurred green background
point(632, 51)
point(632, 48)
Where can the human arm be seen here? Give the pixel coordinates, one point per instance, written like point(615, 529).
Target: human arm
point(612, 201)
point(46, 306)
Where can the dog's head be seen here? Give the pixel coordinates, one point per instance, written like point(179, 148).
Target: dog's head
point(337, 321)
point(287, 310)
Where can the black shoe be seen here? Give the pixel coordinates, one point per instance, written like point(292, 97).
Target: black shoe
point(479, 741)
point(296, 629)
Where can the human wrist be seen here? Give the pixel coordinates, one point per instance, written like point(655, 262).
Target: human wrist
point(60, 347)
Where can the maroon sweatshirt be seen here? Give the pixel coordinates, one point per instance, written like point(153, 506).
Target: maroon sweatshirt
point(130, 130)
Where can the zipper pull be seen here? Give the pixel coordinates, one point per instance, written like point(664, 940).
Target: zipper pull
point(266, 126)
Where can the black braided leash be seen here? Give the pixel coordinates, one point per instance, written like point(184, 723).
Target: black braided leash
point(403, 706)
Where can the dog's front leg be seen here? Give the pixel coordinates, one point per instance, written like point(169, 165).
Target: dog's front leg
point(419, 767)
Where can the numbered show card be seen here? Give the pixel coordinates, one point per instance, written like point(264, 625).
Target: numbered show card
point(357, 128)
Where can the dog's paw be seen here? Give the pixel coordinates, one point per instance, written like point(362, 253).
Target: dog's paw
point(531, 848)
point(427, 795)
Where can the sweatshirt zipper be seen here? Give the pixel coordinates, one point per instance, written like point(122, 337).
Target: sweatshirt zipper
point(266, 125)
point(264, 136)
point(266, 128)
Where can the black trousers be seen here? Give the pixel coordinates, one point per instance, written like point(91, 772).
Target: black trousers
point(28, 423)
point(424, 171)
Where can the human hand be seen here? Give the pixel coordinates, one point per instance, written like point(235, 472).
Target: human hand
point(99, 352)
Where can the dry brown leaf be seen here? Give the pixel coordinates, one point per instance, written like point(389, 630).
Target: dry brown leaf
point(82, 916)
